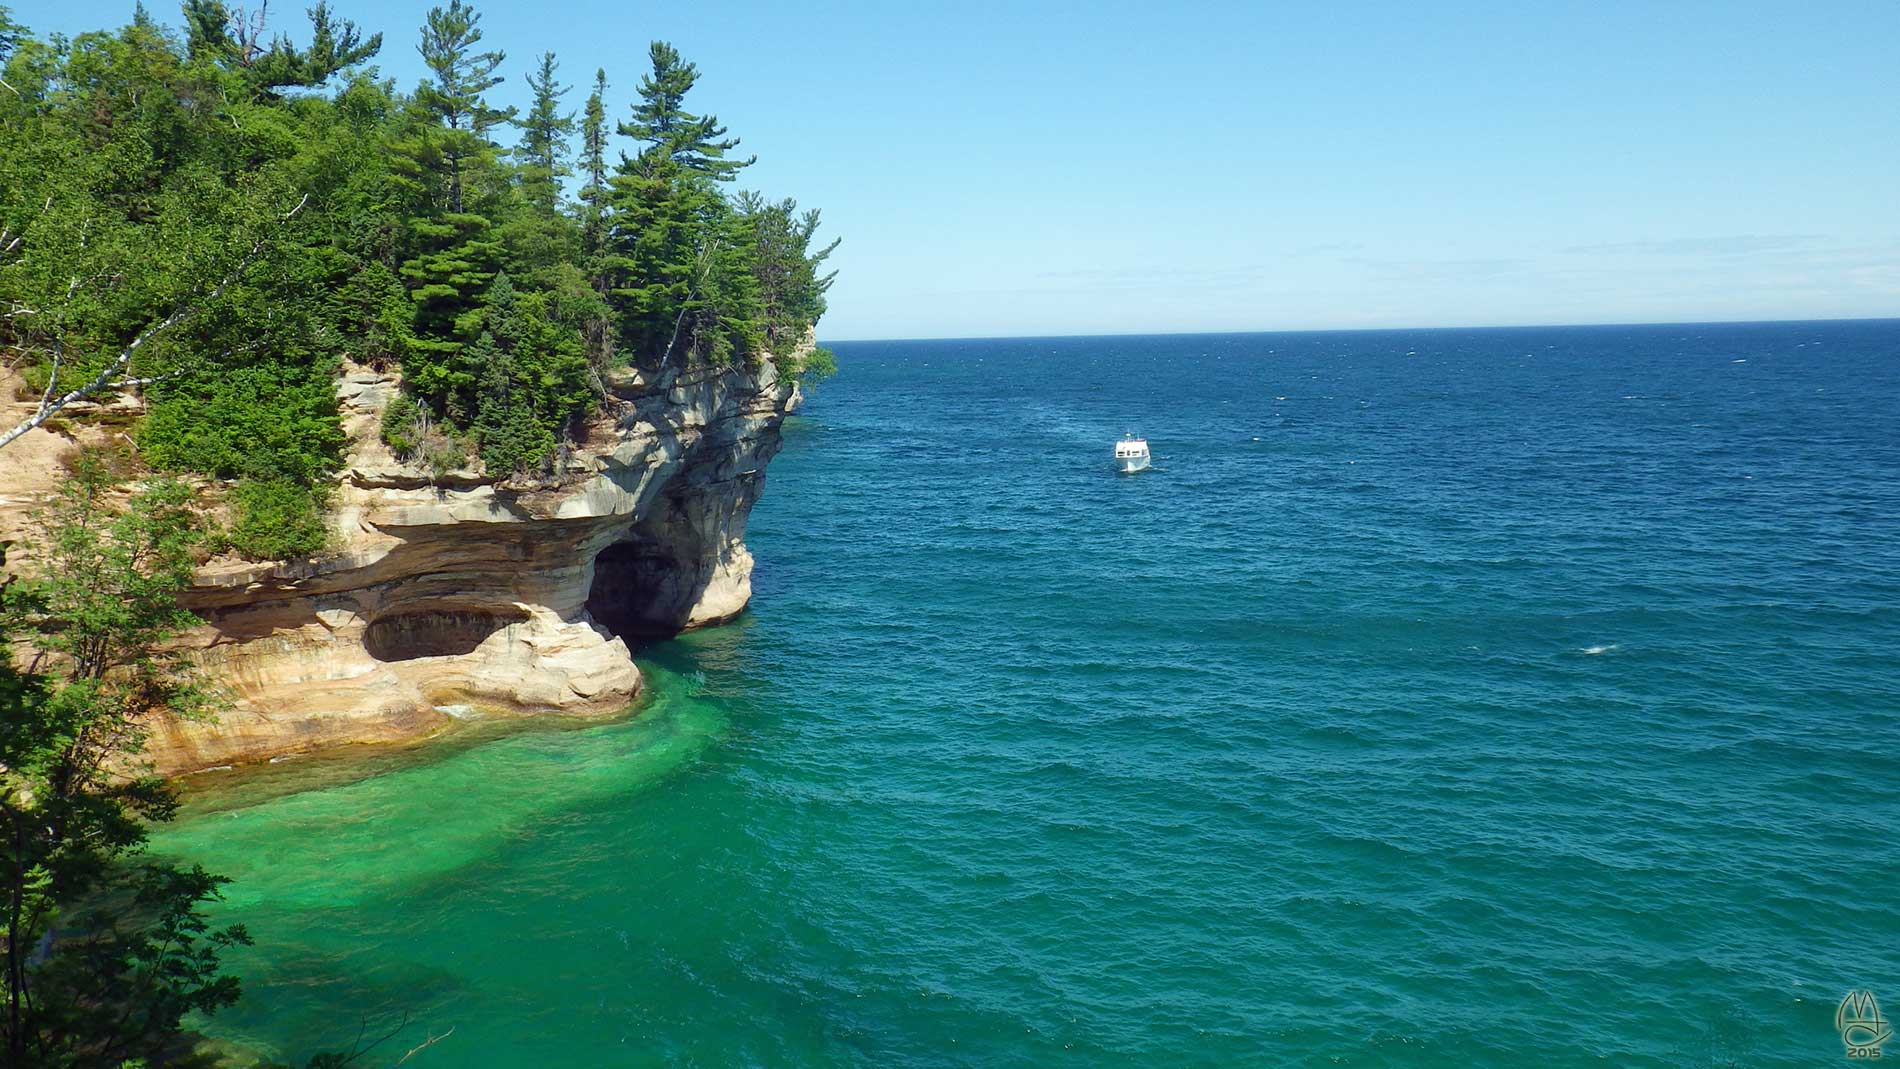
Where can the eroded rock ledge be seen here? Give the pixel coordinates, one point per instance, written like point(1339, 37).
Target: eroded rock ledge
point(459, 591)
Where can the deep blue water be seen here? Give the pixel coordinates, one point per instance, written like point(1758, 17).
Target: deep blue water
point(1462, 698)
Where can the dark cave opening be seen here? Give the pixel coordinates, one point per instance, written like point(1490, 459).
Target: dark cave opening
point(620, 598)
point(407, 636)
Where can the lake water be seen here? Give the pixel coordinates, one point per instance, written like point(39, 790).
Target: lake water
point(1479, 698)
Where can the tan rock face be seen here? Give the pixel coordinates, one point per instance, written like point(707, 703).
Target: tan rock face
point(460, 591)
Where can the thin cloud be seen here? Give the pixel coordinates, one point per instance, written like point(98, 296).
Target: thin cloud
point(1727, 245)
point(1468, 269)
point(1331, 247)
point(1142, 277)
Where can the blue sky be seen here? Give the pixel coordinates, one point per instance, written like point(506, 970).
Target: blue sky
point(1106, 168)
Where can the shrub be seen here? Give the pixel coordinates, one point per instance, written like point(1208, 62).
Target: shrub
point(514, 443)
point(276, 519)
point(412, 434)
point(444, 453)
point(267, 421)
point(403, 426)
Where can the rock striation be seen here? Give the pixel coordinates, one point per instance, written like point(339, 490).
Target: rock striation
point(459, 590)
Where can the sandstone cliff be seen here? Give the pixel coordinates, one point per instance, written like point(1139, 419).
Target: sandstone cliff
point(458, 591)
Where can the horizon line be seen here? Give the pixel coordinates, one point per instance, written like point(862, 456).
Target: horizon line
point(1371, 330)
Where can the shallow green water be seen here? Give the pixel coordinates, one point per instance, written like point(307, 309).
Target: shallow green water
point(1449, 698)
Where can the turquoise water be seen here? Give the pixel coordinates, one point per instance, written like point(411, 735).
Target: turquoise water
point(1442, 698)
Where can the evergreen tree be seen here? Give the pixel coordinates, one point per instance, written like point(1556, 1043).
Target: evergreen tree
point(455, 96)
point(542, 243)
point(454, 184)
point(11, 34)
point(791, 289)
point(457, 257)
point(595, 197)
point(544, 133)
point(673, 242)
point(335, 45)
point(533, 380)
point(231, 242)
point(207, 29)
point(594, 161)
point(693, 143)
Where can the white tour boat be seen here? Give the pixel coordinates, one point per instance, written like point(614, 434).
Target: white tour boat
point(1131, 454)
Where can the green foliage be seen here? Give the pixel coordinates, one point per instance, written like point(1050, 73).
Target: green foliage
point(237, 44)
point(265, 420)
point(791, 290)
point(277, 519)
point(376, 314)
point(695, 143)
point(175, 219)
point(106, 949)
point(815, 366)
point(679, 255)
point(534, 379)
point(399, 427)
point(11, 34)
point(594, 162)
point(459, 77)
point(544, 134)
point(412, 434)
point(457, 256)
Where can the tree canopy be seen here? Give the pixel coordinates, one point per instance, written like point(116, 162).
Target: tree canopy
point(218, 215)
point(105, 948)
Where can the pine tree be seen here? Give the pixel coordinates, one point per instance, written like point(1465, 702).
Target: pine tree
point(446, 169)
point(597, 330)
point(335, 45)
point(671, 238)
point(457, 259)
point(207, 29)
point(544, 149)
point(461, 76)
point(791, 290)
point(533, 378)
point(695, 143)
point(594, 161)
point(11, 34)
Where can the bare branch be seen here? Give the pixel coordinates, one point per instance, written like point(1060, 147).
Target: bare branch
point(109, 377)
point(246, 28)
point(425, 1044)
point(103, 379)
point(132, 384)
point(52, 379)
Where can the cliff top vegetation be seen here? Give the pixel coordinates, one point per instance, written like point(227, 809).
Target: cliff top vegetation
point(217, 216)
point(216, 219)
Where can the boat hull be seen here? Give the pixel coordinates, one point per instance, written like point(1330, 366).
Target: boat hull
point(1130, 465)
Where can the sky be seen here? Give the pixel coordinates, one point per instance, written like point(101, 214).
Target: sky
point(1066, 168)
